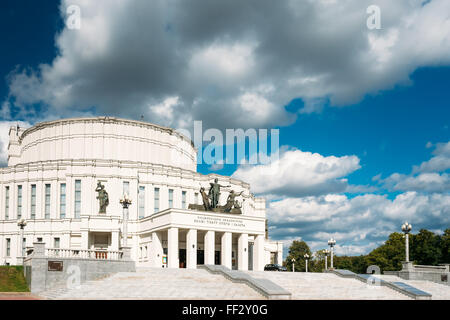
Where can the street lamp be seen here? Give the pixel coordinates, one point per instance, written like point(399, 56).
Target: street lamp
point(293, 264)
point(125, 202)
point(21, 223)
point(306, 257)
point(331, 243)
point(406, 228)
point(326, 252)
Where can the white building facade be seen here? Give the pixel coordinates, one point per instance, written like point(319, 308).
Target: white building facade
point(51, 179)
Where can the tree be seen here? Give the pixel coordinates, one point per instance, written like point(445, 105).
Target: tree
point(389, 255)
point(297, 250)
point(426, 248)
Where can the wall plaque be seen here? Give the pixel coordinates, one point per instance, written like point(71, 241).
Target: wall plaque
point(55, 266)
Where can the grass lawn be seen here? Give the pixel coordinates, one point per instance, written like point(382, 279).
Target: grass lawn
point(12, 279)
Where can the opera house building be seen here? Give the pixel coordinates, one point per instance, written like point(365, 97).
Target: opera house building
point(93, 186)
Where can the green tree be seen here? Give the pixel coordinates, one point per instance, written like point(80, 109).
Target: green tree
point(297, 250)
point(426, 248)
point(389, 255)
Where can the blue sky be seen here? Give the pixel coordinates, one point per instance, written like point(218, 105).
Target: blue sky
point(359, 111)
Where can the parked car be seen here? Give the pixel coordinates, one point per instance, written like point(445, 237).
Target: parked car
point(274, 267)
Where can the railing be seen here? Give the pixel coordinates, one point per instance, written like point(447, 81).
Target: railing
point(442, 268)
point(84, 254)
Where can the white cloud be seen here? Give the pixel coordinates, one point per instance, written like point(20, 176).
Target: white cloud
point(299, 173)
point(131, 54)
point(358, 224)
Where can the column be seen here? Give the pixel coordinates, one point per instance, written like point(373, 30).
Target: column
point(243, 252)
point(258, 253)
point(191, 249)
point(407, 247)
point(209, 247)
point(115, 240)
point(172, 248)
point(226, 249)
point(156, 250)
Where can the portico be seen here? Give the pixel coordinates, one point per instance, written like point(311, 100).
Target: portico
point(188, 238)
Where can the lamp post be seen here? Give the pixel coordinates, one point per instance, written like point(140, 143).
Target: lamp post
point(21, 223)
point(331, 243)
point(293, 264)
point(406, 228)
point(125, 202)
point(326, 252)
point(306, 256)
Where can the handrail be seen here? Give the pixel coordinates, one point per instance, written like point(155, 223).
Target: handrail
point(84, 254)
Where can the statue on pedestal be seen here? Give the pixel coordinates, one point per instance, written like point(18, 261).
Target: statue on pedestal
point(211, 200)
point(102, 197)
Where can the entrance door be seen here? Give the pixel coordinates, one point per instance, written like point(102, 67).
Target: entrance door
point(182, 258)
point(250, 256)
point(200, 257)
point(217, 258)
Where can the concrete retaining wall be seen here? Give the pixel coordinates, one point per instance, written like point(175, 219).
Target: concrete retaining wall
point(74, 271)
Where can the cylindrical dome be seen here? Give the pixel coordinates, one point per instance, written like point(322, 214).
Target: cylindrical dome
point(107, 139)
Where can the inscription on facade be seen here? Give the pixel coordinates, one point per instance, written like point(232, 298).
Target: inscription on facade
point(218, 221)
point(55, 266)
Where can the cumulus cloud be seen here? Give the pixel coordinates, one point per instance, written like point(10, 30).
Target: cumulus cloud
point(358, 224)
point(429, 176)
point(242, 61)
point(298, 173)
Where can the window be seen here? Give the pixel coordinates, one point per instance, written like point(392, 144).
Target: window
point(57, 243)
point(196, 198)
point(170, 198)
point(141, 202)
point(183, 199)
point(47, 201)
point(77, 199)
point(19, 202)
point(33, 201)
point(62, 201)
point(24, 247)
point(7, 203)
point(39, 239)
point(156, 200)
point(8, 247)
point(126, 187)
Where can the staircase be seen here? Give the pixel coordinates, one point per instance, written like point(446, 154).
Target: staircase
point(327, 286)
point(156, 283)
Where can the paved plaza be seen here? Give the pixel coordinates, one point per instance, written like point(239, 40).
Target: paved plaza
point(179, 284)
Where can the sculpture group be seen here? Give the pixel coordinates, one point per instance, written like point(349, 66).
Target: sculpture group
point(211, 200)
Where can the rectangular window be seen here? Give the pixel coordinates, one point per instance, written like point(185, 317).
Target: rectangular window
point(8, 247)
point(170, 198)
point(24, 247)
point(126, 187)
point(47, 201)
point(156, 200)
point(62, 201)
point(57, 243)
point(19, 202)
point(7, 203)
point(77, 199)
point(141, 202)
point(33, 201)
point(196, 198)
point(183, 199)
